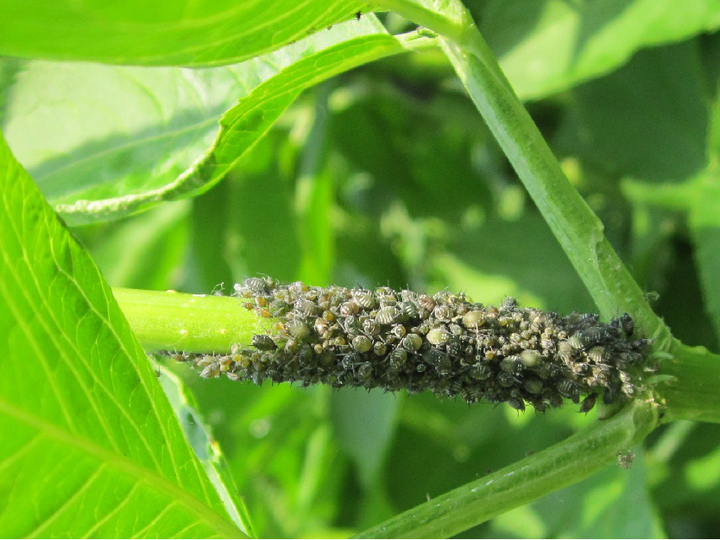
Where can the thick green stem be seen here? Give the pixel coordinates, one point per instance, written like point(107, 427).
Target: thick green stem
point(693, 389)
point(561, 465)
point(195, 323)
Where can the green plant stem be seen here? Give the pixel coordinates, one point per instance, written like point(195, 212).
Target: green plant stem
point(561, 465)
point(168, 320)
point(693, 391)
point(574, 224)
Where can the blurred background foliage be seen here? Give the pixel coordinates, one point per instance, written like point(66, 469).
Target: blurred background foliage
point(386, 175)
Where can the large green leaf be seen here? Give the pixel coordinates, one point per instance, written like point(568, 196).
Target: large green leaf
point(548, 46)
point(103, 141)
point(166, 33)
point(90, 445)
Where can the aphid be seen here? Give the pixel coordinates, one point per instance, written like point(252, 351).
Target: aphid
point(443, 313)
point(306, 308)
point(627, 325)
point(426, 302)
point(473, 319)
point(533, 385)
point(349, 308)
point(256, 285)
point(387, 315)
point(569, 389)
point(298, 329)
point(625, 458)
point(412, 342)
point(516, 403)
point(210, 371)
point(505, 379)
point(596, 354)
point(358, 15)
point(365, 372)
point(362, 344)
point(588, 403)
point(370, 327)
point(408, 309)
point(438, 336)
point(365, 299)
point(530, 358)
point(379, 348)
point(263, 342)
point(512, 365)
point(398, 330)
point(480, 372)
point(397, 358)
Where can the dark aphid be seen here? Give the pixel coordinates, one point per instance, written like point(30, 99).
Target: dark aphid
point(365, 372)
point(512, 365)
point(263, 342)
point(358, 15)
point(397, 358)
point(597, 354)
point(505, 379)
point(569, 389)
point(480, 372)
point(517, 403)
point(533, 385)
point(576, 343)
point(588, 403)
point(627, 325)
point(454, 348)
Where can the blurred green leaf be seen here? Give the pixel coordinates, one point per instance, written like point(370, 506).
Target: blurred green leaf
point(201, 34)
point(548, 46)
point(501, 259)
point(81, 409)
point(120, 139)
point(649, 120)
point(363, 423)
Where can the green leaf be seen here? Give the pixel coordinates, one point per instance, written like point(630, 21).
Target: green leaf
point(549, 46)
point(90, 446)
point(205, 446)
point(363, 423)
point(127, 138)
point(648, 120)
point(166, 33)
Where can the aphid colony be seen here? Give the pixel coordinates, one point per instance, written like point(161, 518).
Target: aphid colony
point(443, 343)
